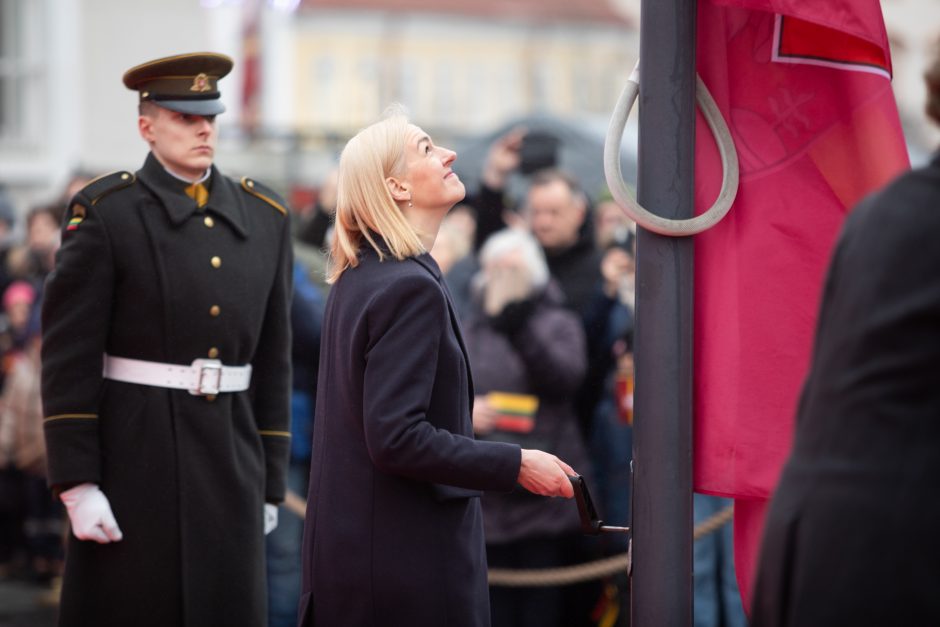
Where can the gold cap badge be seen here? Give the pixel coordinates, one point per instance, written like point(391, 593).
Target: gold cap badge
point(201, 83)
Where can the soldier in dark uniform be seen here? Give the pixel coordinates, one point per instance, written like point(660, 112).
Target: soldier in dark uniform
point(166, 372)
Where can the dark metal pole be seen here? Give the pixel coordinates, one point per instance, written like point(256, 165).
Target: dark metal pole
point(662, 444)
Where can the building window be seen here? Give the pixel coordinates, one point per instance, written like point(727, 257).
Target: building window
point(21, 72)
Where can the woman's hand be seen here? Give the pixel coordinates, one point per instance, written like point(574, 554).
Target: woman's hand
point(545, 474)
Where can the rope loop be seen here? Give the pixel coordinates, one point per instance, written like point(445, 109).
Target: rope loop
point(621, 193)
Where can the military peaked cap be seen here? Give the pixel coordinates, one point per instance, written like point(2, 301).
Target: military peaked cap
point(188, 83)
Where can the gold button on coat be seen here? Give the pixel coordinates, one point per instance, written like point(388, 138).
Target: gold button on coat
point(213, 352)
point(216, 262)
point(215, 310)
point(208, 221)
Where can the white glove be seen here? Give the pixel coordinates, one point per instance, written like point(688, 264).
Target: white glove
point(90, 514)
point(270, 518)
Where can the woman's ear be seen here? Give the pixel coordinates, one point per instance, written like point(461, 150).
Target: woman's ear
point(397, 189)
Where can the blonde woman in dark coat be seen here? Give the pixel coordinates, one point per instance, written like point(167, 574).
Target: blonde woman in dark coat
point(394, 529)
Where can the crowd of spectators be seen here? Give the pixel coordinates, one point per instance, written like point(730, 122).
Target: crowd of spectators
point(32, 523)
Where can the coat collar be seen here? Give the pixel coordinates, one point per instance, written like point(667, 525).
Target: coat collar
point(223, 200)
point(424, 259)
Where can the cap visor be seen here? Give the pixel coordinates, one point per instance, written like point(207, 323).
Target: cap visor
point(193, 107)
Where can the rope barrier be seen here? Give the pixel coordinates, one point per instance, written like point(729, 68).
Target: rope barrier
point(564, 575)
point(598, 569)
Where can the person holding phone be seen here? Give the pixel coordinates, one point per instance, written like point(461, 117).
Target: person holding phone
point(394, 528)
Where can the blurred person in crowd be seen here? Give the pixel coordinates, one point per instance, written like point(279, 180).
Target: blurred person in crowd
point(394, 529)
point(716, 599)
point(527, 355)
point(169, 461)
point(284, 543)
point(7, 236)
point(454, 240)
point(612, 441)
point(315, 227)
point(611, 225)
point(311, 233)
point(43, 225)
point(77, 180)
point(556, 210)
point(493, 212)
point(7, 215)
point(18, 300)
point(606, 398)
point(611, 359)
point(457, 251)
point(851, 531)
point(21, 438)
point(609, 318)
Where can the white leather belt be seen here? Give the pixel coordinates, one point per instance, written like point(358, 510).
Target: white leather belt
point(202, 377)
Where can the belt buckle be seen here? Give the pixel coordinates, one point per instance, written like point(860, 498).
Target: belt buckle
point(209, 377)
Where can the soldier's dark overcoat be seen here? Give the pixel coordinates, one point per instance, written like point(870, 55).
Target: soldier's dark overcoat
point(186, 475)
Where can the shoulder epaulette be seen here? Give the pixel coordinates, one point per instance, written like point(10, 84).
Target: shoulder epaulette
point(105, 184)
point(265, 193)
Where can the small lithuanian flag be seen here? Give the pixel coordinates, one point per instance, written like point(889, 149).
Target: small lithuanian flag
point(516, 411)
point(78, 214)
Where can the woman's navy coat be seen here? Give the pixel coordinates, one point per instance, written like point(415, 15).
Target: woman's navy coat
point(394, 529)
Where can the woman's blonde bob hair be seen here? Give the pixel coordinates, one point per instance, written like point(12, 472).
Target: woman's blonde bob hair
point(364, 204)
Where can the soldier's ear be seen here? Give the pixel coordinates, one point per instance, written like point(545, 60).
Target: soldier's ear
point(145, 127)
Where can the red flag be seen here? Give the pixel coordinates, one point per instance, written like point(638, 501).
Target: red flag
point(805, 88)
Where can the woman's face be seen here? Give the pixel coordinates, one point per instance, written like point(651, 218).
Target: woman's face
point(428, 172)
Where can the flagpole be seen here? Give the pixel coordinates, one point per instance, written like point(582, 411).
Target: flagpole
point(662, 445)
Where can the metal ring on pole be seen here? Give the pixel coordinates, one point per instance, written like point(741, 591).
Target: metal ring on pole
point(729, 162)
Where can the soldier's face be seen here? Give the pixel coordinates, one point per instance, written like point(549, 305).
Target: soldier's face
point(183, 143)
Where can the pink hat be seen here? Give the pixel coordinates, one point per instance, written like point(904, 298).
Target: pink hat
point(18, 291)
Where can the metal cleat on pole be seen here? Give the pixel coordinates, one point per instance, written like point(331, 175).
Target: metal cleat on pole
point(590, 523)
